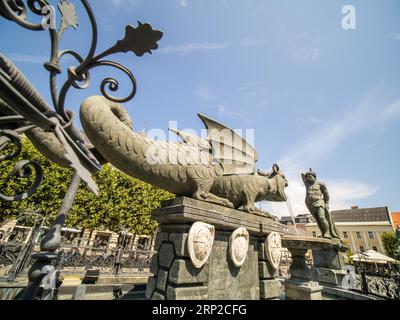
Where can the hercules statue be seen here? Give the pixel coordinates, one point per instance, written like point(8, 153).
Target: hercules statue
point(317, 202)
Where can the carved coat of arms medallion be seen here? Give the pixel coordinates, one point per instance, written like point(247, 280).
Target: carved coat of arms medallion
point(200, 242)
point(238, 246)
point(273, 249)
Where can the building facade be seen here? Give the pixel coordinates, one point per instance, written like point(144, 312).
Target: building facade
point(12, 232)
point(301, 221)
point(396, 219)
point(361, 229)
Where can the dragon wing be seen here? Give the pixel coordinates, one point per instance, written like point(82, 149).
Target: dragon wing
point(233, 152)
point(191, 140)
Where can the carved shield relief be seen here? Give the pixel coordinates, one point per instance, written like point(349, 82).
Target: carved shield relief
point(238, 246)
point(273, 249)
point(200, 242)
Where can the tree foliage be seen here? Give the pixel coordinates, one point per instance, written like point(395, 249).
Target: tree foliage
point(389, 241)
point(122, 202)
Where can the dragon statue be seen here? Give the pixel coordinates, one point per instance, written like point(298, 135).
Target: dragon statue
point(225, 175)
point(219, 168)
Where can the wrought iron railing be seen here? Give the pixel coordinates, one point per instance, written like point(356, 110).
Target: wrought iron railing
point(73, 259)
point(8, 256)
point(107, 261)
point(382, 280)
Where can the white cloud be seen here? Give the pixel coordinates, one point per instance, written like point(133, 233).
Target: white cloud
point(395, 36)
point(193, 47)
point(324, 140)
point(367, 147)
point(304, 48)
point(204, 94)
point(125, 3)
point(183, 3)
point(391, 110)
point(306, 54)
point(251, 42)
point(343, 194)
point(316, 121)
point(28, 58)
point(244, 116)
point(320, 144)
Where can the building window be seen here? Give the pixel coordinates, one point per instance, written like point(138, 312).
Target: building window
point(345, 235)
point(370, 235)
point(101, 241)
point(361, 248)
point(375, 248)
point(358, 234)
point(144, 243)
point(314, 234)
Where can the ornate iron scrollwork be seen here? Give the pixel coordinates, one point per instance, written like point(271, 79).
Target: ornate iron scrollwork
point(23, 108)
point(22, 98)
point(382, 279)
point(23, 169)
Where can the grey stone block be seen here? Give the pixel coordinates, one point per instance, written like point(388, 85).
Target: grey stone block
point(228, 282)
point(158, 296)
point(166, 255)
point(270, 289)
point(187, 293)
point(295, 290)
point(326, 259)
point(154, 264)
point(186, 211)
point(330, 276)
point(180, 243)
point(162, 280)
point(160, 238)
point(261, 252)
point(267, 271)
point(151, 285)
point(183, 272)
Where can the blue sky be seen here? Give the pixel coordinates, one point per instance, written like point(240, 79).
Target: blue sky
point(316, 95)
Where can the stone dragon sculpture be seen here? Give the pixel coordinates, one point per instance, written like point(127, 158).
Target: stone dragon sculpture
point(219, 168)
point(221, 177)
point(225, 175)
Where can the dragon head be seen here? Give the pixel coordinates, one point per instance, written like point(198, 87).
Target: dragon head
point(276, 184)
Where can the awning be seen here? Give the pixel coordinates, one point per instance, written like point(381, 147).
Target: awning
point(372, 256)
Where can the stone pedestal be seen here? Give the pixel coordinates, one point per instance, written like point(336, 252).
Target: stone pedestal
point(301, 286)
point(329, 262)
point(270, 286)
point(300, 290)
point(176, 278)
point(330, 277)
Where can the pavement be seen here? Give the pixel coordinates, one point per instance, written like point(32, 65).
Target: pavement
point(131, 287)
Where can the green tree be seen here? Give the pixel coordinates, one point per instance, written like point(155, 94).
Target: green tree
point(349, 253)
point(122, 202)
point(389, 240)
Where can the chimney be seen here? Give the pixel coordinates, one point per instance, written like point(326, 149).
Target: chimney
point(354, 207)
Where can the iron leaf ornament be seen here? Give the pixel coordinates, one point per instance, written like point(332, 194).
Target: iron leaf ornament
point(140, 40)
point(68, 13)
